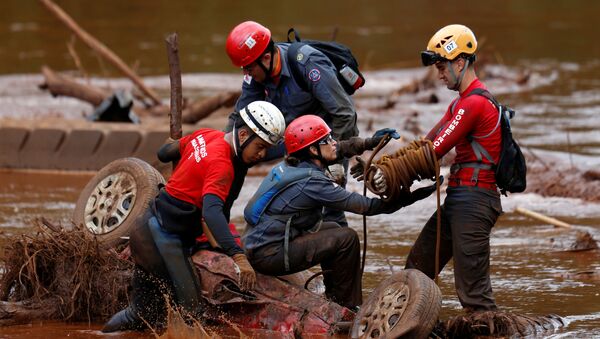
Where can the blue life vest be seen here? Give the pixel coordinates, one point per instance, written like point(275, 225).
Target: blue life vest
point(280, 178)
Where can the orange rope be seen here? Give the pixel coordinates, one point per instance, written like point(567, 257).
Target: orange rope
point(417, 161)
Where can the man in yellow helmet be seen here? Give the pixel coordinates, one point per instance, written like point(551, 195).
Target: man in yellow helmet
point(472, 204)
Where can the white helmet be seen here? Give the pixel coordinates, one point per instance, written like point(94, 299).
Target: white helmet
point(264, 119)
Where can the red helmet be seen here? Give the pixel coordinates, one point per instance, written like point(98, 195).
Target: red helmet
point(246, 42)
point(304, 131)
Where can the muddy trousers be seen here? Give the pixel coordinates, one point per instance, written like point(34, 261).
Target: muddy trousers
point(163, 270)
point(337, 249)
point(468, 215)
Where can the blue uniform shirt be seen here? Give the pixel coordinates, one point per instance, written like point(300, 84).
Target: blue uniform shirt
point(306, 198)
point(326, 96)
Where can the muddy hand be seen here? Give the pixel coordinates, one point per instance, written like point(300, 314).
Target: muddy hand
point(422, 193)
point(337, 173)
point(357, 171)
point(247, 275)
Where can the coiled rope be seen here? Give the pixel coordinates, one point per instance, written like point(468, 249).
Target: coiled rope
point(417, 161)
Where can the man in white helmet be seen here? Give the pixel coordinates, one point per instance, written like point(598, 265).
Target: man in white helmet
point(197, 191)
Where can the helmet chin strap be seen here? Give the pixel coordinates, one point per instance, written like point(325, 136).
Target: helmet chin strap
point(260, 64)
point(237, 148)
point(320, 157)
point(236, 141)
point(456, 80)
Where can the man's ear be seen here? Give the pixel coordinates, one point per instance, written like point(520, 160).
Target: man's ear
point(313, 150)
point(243, 135)
point(461, 63)
point(266, 58)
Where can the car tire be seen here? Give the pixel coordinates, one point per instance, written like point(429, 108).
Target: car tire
point(111, 202)
point(405, 305)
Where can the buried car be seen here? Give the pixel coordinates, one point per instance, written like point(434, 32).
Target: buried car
point(404, 305)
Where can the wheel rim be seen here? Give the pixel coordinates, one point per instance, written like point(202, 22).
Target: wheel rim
point(381, 318)
point(110, 203)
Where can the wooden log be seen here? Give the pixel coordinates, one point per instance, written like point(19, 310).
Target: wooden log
point(175, 77)
point(100, 48)
point(200, 109)
point(14, 313)
point(62, 85)
point(542, 218)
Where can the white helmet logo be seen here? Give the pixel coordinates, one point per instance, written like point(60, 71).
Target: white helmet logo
point(250, 42)
point(450, 46)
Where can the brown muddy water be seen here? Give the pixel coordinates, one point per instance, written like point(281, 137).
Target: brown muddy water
point(558, 118)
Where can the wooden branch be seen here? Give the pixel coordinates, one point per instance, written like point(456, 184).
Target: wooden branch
point(176, 97)
point(62, 85)
point(542, 217)
point(199, 110)
point(12, 313)
point(100, 48)
point(76, 59)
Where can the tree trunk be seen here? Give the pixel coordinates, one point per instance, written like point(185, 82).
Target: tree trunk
point(62, 85)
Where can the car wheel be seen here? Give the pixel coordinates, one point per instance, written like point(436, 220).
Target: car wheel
point(406, 305)
point(115, 197)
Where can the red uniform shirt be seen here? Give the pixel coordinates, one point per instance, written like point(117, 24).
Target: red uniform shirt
point(473, 115)
point(205, 167)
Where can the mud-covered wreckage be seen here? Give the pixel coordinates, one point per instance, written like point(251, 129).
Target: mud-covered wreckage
point(75, 274)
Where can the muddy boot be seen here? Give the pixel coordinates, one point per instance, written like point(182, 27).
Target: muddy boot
point(124, 320)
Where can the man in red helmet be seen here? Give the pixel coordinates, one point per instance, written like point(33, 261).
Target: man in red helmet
point(269, 76)
point(286, 232)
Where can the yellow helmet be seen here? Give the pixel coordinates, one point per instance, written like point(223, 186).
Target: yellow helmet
point(448, 43)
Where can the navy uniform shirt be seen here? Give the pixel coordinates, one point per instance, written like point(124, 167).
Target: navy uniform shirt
point(306, 198)
point(325, 97)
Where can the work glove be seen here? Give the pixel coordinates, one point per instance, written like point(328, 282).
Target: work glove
point(337, 173)
point(357, 172)
point(373, 141)
point(418, 194)
point(247, 275)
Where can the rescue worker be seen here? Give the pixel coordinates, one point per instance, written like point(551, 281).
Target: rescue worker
point(286, 232)
point(268, 76)
point(472, 204)
point(163, 242)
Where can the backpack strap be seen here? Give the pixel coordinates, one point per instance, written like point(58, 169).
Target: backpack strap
point(292, 52)
point(479, 150)
point(296, 35)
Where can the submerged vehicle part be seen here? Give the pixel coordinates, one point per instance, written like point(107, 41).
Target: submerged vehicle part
point(406, 305)
point(110, 203)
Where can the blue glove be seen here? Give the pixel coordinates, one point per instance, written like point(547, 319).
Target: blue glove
point(373, 141)
point(382, 132)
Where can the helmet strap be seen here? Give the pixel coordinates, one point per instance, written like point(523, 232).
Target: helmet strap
point(248, 141)
point(237, 148)
point(320, 157)
point(268, 71)
point(236, 141)
point(458, 80)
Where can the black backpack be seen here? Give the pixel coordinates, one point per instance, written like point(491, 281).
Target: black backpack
point(340, 55)
point(511, 169)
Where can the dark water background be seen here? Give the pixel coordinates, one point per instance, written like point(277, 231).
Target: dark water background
point(382, 33)
point(559, 116)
